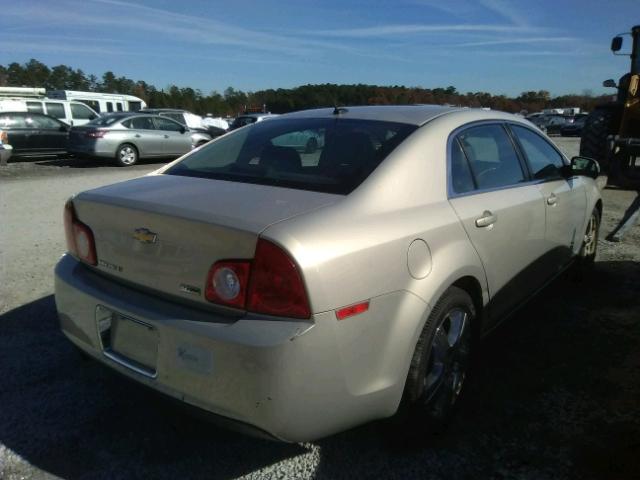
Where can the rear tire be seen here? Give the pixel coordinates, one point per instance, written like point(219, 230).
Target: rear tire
point(439, 367)
point(600, 123)
point(126, 155)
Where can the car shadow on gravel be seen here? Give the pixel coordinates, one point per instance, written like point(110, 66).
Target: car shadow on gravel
point(554, 396)
point(76, 419)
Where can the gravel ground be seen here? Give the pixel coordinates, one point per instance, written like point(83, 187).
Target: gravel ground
point(555, 395)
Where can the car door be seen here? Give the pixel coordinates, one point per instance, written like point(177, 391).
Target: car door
point(52, 134)
point(176, 138)
point(565, 198)
point(145, 136)
point(501, 210)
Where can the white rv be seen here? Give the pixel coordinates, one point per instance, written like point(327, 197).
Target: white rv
point(71, 113)
point(101, 102)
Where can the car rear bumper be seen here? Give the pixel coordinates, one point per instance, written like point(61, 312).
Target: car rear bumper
point(297, 381)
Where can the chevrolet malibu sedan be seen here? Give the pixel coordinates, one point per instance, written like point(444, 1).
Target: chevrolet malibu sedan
point(126, 137)
point(301, 294)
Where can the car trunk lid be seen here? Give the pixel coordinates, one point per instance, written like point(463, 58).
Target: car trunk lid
point(163, 232)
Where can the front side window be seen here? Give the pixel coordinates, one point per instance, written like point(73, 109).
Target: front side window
point(167, 125)
point(178, 117)
point(329, 155)
point(45, 123)
point(492, 156)
point(109, 107)
point(34, 107)
point(55, 110)
point(139, 123)
point(81, 112)
point(544, 160)
point(135, 106)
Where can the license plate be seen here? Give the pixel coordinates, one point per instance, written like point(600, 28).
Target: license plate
point(129, 341)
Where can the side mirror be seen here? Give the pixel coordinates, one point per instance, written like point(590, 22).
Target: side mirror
point(616, 44)
point(183, 129)
point(611, 83)
point(64, 128)
point(584, 166)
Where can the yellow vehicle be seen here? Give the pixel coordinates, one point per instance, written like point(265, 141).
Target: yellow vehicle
point(611, 133)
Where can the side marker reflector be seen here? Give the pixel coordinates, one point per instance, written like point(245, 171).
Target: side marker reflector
point(352, 310)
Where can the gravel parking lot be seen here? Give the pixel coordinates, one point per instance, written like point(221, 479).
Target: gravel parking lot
point(556, 394)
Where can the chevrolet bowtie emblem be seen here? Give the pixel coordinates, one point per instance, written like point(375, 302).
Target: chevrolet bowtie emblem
point(144, 235)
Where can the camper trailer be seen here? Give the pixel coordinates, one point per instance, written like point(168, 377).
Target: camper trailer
point(101, 102)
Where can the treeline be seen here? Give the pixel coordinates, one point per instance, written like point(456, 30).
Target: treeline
point(230, 102)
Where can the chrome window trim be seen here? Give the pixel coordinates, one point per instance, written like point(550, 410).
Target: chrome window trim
point(451, 193)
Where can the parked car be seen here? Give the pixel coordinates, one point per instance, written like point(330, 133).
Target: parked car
point(127, 137)
point(573, 128)
point(553, 123)
point(69, 112)
point(249, 118)
point(299, 300)
point(34, 134)
point(306, 141)
point(191, 120)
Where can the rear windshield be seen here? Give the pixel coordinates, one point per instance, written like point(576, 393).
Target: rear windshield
point(325, 155)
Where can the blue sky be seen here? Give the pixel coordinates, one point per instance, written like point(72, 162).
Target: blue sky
point(499, 46)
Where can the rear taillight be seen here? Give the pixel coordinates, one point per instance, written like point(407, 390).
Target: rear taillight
point(95, 133)
point(271, 284)
point(80, 241)
point(4, 138)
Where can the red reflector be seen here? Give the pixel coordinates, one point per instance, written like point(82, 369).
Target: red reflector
point(352, 310)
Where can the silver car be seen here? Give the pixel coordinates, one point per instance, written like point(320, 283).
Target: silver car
point(301, 294)
point(127, 137)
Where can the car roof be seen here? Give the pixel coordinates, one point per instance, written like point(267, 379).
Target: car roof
point(164, 110)
point(258, 115)
point(412, 114)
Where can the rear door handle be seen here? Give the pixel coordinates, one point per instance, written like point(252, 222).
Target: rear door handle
point(486, 219)
point(166, 136)
point(552, 199)
point(138, 135)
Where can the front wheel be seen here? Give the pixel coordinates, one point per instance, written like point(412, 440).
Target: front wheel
point(440, 363)
point(126, 155)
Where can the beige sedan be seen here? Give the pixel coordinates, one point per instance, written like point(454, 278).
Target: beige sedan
point(299, 294)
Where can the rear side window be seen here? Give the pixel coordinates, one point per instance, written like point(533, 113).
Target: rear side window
point(13, 121)
point(492, 156)
point(461, 177)
point(321, 154)
point(81, 112)
point(109, 107)
point(119, 106)
point(55, 110)
point(544, 160)
point(35, 107)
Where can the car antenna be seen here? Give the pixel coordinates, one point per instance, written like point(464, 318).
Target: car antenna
point(338, 110)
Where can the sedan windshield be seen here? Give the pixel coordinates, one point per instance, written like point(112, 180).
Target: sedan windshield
point(332, 155)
